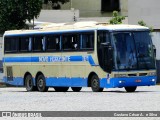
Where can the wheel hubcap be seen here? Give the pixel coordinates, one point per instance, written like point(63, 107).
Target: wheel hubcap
point(95, 83)
point(40, 83)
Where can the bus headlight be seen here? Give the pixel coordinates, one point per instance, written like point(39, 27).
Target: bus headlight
point(153, 80)
point(152, 73)
point(121, 81)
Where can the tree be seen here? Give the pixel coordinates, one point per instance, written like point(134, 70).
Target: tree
point(116, 19)
point(142, 23)
point(56, 4)
point(15, 13)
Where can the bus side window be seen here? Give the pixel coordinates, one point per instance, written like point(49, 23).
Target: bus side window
point(24, 44)
point(87, 41)
point(11, 44)
point(38, 43)
point(52, 42)
point(71, 42)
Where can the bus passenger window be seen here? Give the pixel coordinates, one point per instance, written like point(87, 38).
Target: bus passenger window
point(38, 43)
point(53, 43)
point(24, 44)
point(71, 42)
point(88, 41)
point(74, 43)
point(11, 44)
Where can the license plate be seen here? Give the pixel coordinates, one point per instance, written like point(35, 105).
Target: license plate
point(138, 81)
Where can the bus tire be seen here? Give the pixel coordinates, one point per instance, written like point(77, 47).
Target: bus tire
point(130, 89)
point(76, 89)
point(29, 83)
point(41, 84)
point(61, 89)
point(95, 84)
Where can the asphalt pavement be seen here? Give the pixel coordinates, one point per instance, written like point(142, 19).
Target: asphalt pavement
point(115, 99)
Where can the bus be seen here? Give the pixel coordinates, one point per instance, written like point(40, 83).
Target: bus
point(81, 54)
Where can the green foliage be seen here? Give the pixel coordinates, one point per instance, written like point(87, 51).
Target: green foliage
point(14, 13)
point(142, 23)
point(116, 18)
point(56, 3)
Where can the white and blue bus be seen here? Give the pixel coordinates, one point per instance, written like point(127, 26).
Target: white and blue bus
point(79, 55)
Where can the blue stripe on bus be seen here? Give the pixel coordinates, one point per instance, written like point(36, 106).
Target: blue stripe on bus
point(83, 82)
point(17, 81)
point(66, 82)
point(17, 59)
point(51, 59)
point(91, 61)
point(52, 81)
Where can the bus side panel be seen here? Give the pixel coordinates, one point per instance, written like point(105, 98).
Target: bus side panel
point(17, 81)
point(16, 67)
point(47, 64)
point(69, 82)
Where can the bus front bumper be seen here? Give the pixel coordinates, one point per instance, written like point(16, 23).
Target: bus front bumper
point(128, 81)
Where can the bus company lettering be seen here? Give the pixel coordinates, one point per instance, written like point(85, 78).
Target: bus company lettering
point(43, 59)
point(63, 58)
point(54, 59)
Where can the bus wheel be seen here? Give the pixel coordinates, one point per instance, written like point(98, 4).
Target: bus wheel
point(61, 89)
point(95, 85)
point(29, 83)
point(130, 89)
point(76, 89)
point(41, 84)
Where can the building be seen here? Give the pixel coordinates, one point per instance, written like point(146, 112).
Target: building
point(95, 8)
point(84, 10)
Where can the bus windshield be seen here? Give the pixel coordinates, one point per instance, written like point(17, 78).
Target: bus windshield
point(133, 50)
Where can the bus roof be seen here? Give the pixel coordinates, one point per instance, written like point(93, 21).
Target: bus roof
point(77, 26)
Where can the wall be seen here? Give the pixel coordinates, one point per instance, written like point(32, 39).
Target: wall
point(90, 8)
point(124, 7)
point(58, 16)
point(147, 10)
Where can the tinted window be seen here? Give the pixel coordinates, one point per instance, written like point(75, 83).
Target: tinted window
point(53, 43)
point(71, 42)
point(102, 37)
point(38, 43)
point(25, 44)
point(11, 44)
point(87, 41)
point(110, 5)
